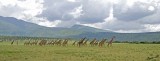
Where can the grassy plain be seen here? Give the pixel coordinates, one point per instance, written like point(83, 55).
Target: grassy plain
point(118, 52)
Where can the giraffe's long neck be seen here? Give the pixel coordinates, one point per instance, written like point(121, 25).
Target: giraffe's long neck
point(111, 40)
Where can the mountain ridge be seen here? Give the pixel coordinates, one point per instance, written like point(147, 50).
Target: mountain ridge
point(14, 27)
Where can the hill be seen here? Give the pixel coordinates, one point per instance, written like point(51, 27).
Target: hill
point(14, 27)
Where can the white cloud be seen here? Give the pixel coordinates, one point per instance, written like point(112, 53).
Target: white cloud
point(68, 23)
point(26, 10)
point(27, 7)
point(49, 23)
point(152, 27)
point(151, 8)
point(71, 0)
point(130, 31)
point(130, 2)
point(8, 2)
point(44, 22)
point(77, 12)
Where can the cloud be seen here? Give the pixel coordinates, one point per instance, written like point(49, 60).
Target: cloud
point(137, 11)
point(152, 19)
point(10, 10)
point(44, 22)
point(77, 12)
point(134, 18)
point(58, 9)
point(119, 25)
point(68, 23)
point(22, 9)
point(49, 23)
point(72, 0)
point(115, 15)
point(152, 28)
point(19, 9)
point(88, 11)
point(94, 11)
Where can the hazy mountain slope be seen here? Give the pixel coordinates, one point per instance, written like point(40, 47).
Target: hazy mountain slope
point(15, 27)
point(88, 29)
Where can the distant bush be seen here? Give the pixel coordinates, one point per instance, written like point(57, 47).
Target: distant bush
point(156, 42)
point(117, 42)
point(145, 42)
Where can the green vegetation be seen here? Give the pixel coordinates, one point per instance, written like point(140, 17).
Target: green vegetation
point(118, 52)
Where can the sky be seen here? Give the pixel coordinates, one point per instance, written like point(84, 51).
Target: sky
point(124, 16)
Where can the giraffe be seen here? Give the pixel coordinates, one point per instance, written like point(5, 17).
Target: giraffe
point(49, 43)
point(92, 42)
point(43, 42)
point(17, 42)
point(35, 43)
point(65, 42)
point(74, 43)
point(59, 42)
point(12, 42)
point(110, 42)
point(54, 42)
point(85, 42)
point(101, 43)
point(31, 43)
point(81, 42)
point(27, 43)
point(96, 43)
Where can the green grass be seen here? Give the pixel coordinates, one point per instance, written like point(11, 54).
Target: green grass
point(118, 52)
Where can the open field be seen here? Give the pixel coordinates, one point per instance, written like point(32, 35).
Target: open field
point(118, 52)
